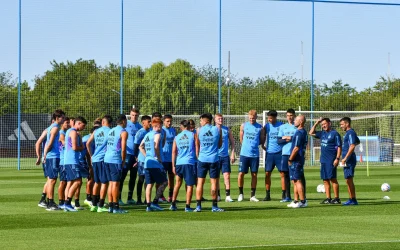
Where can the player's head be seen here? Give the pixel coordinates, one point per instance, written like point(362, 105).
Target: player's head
point(71, 121)
point(326, 124)
point(252, 116)
point(219, 119)
point(134, 115)
point(97, 123)
point(121, 120)
point(167, 121)
point(184, 125)
point(156, 114)
point(300, 121)
point(66, 125)
point(146, 122)
point(345, 123)
point(205, 118)
point(290, 115)
point(192, 125)
point(272, 116)
point(94, 128)
point(106, 120)
point(80, 123)
point(58, 116)
point(156, 124)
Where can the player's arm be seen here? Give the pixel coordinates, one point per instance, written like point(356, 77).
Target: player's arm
point(295, 150)
point(313, 130)
point(142, 149)
point(232, 142)
point(75, 140)
point(282, 139)
point(157, 146)
point(89, 142)
point(37, 146)
point(263, 137)
point(197, 142)
point(124, 138)
point(174, 154)
point(53, 133)
point(164, 137)
point(338, 142)
point(241, 133)
point(220, 137)
point(352, 147)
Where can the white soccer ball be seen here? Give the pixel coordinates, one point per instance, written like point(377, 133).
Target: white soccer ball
point(321, 188)
point(385, 187)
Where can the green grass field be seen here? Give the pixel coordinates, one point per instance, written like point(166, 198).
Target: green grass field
point(374, 224)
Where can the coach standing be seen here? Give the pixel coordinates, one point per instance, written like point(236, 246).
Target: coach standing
point(331, 149)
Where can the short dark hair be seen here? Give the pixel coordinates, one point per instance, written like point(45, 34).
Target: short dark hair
point(156, 114)
point(80, 119)
point(66, 118)
point(326, 119)
point(121, 118)
point(72, 118)
point(146, 118)
point(207, 116)
point(191, 122)
point(272, 113)
point(57, 114)
point(135, 110)
point(168, 116)
point(291, 111)
point(346, 119)
point(97, 123)
point(94, 128)
point(185, 123)
point(108, 118)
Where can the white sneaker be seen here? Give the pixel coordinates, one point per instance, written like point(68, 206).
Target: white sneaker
point(88, 203)
point(240, 198)
point(254, 199)
point(299, 205)
point(219, 198)
point(291, 204)
point(228, 199)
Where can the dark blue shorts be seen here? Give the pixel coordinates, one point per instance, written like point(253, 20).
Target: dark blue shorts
point(284, 163)
point(155, 175)
point(328, 171)
point(114, 171)
point(84, 169)
point(129, 162)
point(273, 160)
point(349, 169)
point(99, 173)
point(167, 167)
point(44, 170)
point(204, 167)
point(225, 164)
point(52, 168)
point(63, 173)
point(195, 172)
point(187, 172)
point(140, 167)
point(249, 162)
point(296, 171)
point(73, 172)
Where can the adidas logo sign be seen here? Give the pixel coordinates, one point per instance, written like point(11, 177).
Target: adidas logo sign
point(112, 133)
point(184, 137)
point(208, 133)
point(101, 134)
point(26, 133)
point(147, 139)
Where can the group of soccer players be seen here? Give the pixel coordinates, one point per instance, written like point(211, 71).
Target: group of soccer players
point(155, 154)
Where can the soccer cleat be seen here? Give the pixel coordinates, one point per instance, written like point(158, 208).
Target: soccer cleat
point(102, 209)
point(299, 205)
point(79, 208)
point(350, 203)
point(139, 203)
point(254, 199)
point(52, 207)
point(162, 200)
point(69, 208)
point(61, 206)
point(88, 203)
point(131, 202)
point(42, 204)
point(291, 204)
point(156, 207)
point(119, 211)
point(216, 209)
point(149, 209)
point(240, 198)
point(121, 203)
point(286, 200)
point(326, 201)
point(173, 208)
point(219, 198)
point(228, 199)
point(189, 210)
point(267, 198)
point(336, 201)
point(110, 210)
point(197, 209)
point(93, 209)
point(203, 199)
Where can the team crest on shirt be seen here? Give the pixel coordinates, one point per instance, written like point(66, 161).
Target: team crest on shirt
point(329, 136)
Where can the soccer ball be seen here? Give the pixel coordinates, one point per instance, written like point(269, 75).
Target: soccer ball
point(385, 187)
point(321, 188)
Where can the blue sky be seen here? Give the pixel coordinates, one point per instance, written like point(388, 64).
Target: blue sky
point(352, 41)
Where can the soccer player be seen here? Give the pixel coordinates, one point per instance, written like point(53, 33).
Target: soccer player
point(170, 134)
point(114, 161)
point(146, 124)
point(99, 175)
point(251, 136)
point(63, 176)
point(286, 132)
point(331, 149)
point(208, 141)
point(296, 161)
point(151, 148)
point(273, 154)
point(51, 157)
point(224, 160)
point(85, 167)
point(183, 164)
point(73, 147)
point(349, 159)
point(132, 128)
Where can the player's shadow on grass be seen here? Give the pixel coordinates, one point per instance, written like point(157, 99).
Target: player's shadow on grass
point(252, 208)
point(378, 203)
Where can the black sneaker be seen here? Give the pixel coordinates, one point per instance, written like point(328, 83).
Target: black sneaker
point(336, 201)
point(203, 199)
point(267, 198)
point(52, 207)
point(139, 202)
point(42, 204)
point(326, 201)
